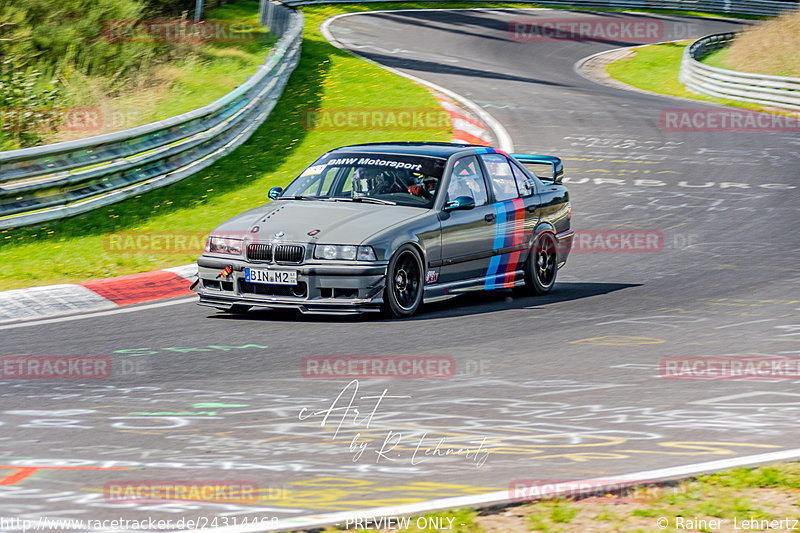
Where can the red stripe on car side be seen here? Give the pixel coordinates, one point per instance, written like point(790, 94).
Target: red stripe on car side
point(519, 233)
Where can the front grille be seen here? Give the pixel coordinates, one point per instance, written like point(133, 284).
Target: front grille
point(289, 253)
point(259, 252)
point(298, 291)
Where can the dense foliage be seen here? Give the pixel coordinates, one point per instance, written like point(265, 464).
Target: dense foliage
point(46, 44)
point(21, 93)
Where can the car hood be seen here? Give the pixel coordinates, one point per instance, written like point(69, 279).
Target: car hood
point(336, 222)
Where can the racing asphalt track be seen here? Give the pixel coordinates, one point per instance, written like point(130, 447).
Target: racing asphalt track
point(562, 387)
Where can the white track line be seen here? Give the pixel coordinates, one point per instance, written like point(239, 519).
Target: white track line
point(319, 520)
point(119, 310)
point(504, 141)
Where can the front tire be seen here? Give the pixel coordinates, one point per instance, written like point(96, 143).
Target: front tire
point(404, 283)
point(541, 267)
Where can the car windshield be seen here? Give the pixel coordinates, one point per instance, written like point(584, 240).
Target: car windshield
point(391, 179)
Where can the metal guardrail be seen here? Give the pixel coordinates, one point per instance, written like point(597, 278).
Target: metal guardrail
point(773, 91)
point(63, 179)
point(274, 16)
point(767, 8)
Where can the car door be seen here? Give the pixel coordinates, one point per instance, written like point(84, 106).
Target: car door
point(467, 235)
point(515, 205)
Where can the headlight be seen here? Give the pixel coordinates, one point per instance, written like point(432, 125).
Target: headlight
point(223, 245)
point(348, 252)
point(366, 253)
point(345, 252)
point(328, 251)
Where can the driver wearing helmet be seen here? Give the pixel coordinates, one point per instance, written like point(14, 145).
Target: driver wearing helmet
point(369, 181)
point(424, 187)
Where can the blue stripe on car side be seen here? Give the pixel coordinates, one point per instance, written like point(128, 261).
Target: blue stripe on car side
point(499, 240)
point(505, 213)
point(491, 274)
point(500, 225)
point(508, 235)
point(511, 215)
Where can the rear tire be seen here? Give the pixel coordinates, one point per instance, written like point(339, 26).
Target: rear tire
point(402, 295)
point(541, 267)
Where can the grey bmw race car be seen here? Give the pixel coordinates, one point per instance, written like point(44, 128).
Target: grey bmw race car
point(390, 226)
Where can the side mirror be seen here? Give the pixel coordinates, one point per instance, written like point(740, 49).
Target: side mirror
point(274, 192)
point(462, 202)
point(530, 186)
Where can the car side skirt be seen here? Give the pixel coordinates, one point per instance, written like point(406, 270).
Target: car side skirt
point(438, 292)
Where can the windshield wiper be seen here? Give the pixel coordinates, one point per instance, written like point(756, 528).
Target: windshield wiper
point(371, 200)
point(295, 197)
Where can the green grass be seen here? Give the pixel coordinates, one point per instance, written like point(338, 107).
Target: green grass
point(218, 68)
point(763, 493)
point(325, 78)
point(172, 78)
point(655, 68)
point(766, 477)
point(717, 58)
point(215, 69)
point(200, 75)
point(563, 513)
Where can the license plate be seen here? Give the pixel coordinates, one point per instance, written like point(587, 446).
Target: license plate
point(271, 277)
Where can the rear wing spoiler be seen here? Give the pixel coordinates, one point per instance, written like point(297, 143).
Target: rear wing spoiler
point(531, 159)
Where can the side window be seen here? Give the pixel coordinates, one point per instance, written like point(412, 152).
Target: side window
point(525, 185)
point(467, 180)
point(503, 183)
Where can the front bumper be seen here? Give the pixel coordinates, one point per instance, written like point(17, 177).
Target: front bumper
point(335, 287)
